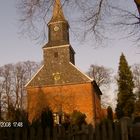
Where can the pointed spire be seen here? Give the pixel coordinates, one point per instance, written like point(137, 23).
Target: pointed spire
point(57, 12)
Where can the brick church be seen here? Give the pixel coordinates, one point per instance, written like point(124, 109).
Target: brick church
point(59, 84)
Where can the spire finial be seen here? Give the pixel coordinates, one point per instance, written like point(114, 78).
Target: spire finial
point(57, 12)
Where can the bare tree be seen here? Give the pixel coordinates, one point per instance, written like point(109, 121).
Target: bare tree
point(94, 15)
point(102, 76)
point(137, 2)
point(127, 22)
point(13, 78)
point(1, 94)
point(19, 73)
point(23, 73)
point(136, 77)
point(34, 15)
point(6, 85)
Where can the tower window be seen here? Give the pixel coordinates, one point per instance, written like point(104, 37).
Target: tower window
point(56, 54)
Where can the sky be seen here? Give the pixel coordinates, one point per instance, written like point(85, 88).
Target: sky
point(15, 48)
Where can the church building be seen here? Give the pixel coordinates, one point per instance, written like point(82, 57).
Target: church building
point(59, 84)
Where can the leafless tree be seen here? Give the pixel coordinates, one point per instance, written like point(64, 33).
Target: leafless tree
point(127, 22)
point(137, 2)
point(36, 13)
point(31, 67)
point(6, 85)
point(102, 76)
point(1, 94)
point(95, 17)
point(22, 72)
point(19, 82)
point(136, 76)
point(13, 78)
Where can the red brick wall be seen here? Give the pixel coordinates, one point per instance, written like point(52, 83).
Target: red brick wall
point(79, 97)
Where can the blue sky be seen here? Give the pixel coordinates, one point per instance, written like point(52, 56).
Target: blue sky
point(15, 48)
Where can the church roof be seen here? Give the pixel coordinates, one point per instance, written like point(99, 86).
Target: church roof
point(45, 77)
point(57, 13)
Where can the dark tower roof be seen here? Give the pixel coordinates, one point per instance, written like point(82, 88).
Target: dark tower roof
point(57, 13)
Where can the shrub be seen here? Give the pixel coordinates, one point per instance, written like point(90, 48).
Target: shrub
point(109, 113)
point(77, 118)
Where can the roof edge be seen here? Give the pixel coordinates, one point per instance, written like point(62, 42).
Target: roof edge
point(59, 84)
point(82, 72)
point(97, 87)
point(34, 76)
point(60, 46)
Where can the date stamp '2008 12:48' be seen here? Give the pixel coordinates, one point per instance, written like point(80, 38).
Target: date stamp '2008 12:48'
point(11, 124)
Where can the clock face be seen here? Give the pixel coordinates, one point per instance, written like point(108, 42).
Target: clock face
point(56, 28)
point(56, 76)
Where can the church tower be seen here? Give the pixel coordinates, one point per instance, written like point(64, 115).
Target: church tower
point(58, 83)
